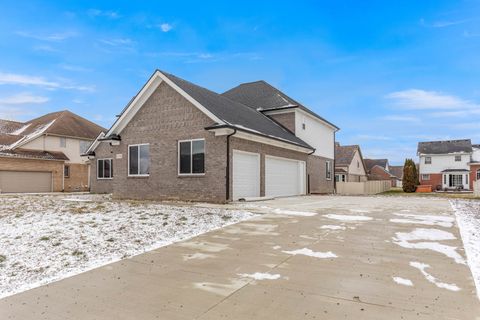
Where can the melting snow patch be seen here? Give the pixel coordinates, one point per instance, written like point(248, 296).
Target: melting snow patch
point(403, 281)
point(344, 217)
point(260, 276)
point(422, 266)
point(359, 210)
point(295, 213)
point(404, 240)
point(77, 200)
point(310, 253)
point(468, 220)
point(332, 227)
point(443, 221)
point(197, 256)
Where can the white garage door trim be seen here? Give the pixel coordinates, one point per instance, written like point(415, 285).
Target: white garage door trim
point(245, 174)
point(284, 177)
point(15, 181)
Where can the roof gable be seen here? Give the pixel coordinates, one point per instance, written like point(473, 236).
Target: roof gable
point(370, 163)
point(344, 154)
point(445, 147)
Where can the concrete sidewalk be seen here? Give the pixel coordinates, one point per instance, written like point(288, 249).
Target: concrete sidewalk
point(207, 277)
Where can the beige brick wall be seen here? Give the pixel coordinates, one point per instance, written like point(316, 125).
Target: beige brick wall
point(285, 119)
point(18, 164)
point(78, 179)
point(316, 170)
point(104, 150)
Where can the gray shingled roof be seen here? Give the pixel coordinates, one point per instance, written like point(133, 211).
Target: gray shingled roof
point(235, 113)
point(264, 96)
point(444, 147)
point(344, 154)
point(397, 171)
point(370, 163)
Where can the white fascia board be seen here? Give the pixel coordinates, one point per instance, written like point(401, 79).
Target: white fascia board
point(269, 141)
point(95, 143)
point(304, 113)
point(289, 110)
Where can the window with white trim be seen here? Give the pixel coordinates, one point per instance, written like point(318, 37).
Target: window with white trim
point(428, 160)
point(104, 169)
point(328, 170)
point(191, 157)
point(458, 158)
point(425, 177)
point(66, 171)
point(139, 159)
point(478, 174)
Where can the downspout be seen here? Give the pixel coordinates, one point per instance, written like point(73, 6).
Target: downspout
point(227, 185)
point(308, 176)
point(334, 180)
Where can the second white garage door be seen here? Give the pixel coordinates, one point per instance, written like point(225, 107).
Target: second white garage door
point(25, 181)
point(246, 174)
point(284, 177)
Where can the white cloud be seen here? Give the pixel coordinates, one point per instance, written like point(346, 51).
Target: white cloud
point(417, 99)
point(118, 42)
point(27, 80)
point(70, 67)
point(103, 13)
point(23, 98)
point(53, 37)
point(372, 137)
point(165, 27)
point(401, 118)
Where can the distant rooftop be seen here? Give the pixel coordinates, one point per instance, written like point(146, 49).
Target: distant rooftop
point(445, 147)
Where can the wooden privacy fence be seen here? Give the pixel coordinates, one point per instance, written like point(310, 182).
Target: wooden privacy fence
point(476, 188)
point(366, 187)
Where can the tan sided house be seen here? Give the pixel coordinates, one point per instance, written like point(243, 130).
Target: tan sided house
point(43, 154)
point(349, 165)
point(177, 140)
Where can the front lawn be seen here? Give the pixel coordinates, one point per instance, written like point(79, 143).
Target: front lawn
point(400, 192)
point(46, 238)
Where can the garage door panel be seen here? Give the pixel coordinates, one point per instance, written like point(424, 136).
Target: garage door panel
point(284, 177)
point(25, 181)
point(246, 175)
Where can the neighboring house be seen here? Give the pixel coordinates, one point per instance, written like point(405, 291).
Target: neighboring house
point(177, 140)
point(379, 169)
point(450, 164)
point(397, 171)
point(349, 165)
point(43, 154)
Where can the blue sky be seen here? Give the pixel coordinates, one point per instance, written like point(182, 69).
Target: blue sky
point(387, 73)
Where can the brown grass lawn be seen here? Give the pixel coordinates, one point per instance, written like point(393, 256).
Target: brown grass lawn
point(399, 192)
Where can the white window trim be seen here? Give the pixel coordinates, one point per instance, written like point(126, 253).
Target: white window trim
point(329, 172)
point(456, 157)
point(128, 161)
point(191, 157)
point(425, 161)
point(425, 175)
point(111, 175)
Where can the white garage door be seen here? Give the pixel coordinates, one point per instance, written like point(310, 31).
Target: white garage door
point(24, 181)
point(246, 174)
point(284, 177)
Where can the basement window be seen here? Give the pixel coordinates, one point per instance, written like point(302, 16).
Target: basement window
point(191, 157)
point(139, 160)
point(104, 169)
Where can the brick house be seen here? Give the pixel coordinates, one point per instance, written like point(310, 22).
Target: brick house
point(349, 164)
point(379, 169)
point(177, 140)
point(43, 154)
point(449, 164)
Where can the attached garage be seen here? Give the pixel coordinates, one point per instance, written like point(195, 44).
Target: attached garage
point(284, 177)
point(25, 181)
point(246, 174)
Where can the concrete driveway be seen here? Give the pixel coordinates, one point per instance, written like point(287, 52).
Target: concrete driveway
point(316, 257)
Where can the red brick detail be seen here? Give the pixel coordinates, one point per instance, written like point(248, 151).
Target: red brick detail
point(473, 174)
point(434, 181)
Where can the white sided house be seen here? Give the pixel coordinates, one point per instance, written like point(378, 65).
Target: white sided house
point(446, 165)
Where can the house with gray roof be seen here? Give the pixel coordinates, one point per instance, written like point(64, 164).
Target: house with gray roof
point(349, 164)
point(178, 140)
point(449, 164)
point(44, 154)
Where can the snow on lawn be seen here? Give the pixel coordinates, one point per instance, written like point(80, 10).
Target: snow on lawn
point(47, 238)
point(468, 219)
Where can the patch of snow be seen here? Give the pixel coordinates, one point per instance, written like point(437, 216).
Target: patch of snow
point(223, 289)
point(77, 200)
point(197, 256)
point(359, 210)
point(276, 247)
point(20, 130)
point(422, 266)
point(260, 276)
point(468, 220)
point(403, 281)
point(404, 240)
point(431, 220)
point(44, 239)
point(310, 253)
point(343, 217)
point(332, 227)
point(295, 213)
